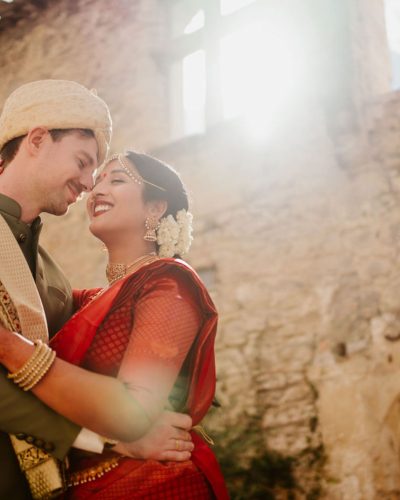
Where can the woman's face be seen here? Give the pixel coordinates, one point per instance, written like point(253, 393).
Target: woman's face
point(115, 204)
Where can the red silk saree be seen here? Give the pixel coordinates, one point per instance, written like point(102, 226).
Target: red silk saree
point(158, 323)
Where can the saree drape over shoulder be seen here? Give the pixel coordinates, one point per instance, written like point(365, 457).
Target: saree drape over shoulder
point(155, 331)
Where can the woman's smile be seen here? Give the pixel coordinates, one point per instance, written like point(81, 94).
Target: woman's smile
point(100, 207)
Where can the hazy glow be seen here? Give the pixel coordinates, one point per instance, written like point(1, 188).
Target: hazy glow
point(185, 18)
point(194, 92)
point(196, 23)
point(262, 73)
point(392, 17)
point(228, 6)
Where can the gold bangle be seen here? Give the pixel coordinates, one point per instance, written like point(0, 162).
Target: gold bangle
point(35, 368)
point(42, 353)
point(40, 374)
point(20, 373)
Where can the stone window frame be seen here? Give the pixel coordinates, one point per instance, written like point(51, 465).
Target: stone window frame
point(207, 38)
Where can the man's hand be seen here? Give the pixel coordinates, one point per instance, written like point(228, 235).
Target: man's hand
point(168, 439)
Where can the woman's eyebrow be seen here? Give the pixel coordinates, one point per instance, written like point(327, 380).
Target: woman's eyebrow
point(119, 171)
point(115, 171)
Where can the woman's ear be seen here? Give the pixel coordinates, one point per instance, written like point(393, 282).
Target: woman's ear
point(157, 208)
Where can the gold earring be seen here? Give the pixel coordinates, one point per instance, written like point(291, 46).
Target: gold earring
point(151, 224)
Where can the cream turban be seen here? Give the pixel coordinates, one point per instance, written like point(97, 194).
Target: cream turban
point(55, 104)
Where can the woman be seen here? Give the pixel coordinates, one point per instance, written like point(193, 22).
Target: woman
point(142, 344)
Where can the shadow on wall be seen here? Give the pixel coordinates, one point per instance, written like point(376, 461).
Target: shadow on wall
point(253, 472)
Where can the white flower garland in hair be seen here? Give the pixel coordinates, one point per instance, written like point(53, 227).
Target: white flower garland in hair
point(174, 236)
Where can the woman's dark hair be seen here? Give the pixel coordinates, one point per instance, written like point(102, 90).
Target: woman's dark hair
point(163, 175)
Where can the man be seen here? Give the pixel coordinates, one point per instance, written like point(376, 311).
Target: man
point(53, 135)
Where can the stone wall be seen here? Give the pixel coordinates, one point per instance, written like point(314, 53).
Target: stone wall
point(108, 45)
point(358, 380)
point(297, 238)
point(302, 238)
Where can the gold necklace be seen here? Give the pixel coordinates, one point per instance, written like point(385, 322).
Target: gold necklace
point(115, 272)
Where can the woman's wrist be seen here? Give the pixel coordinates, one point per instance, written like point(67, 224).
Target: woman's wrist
point(14, 349)
point(35, 368)
point(5, 342)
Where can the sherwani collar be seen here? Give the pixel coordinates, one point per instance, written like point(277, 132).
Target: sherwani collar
point(27, 235)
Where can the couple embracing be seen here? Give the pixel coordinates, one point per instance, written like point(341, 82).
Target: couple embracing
point(129, 372)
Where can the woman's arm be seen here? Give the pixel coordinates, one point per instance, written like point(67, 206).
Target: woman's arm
point(167, 320)
point(121, 409)
point(86, 398)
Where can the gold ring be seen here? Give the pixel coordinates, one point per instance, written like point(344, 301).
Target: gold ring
point(177, 444)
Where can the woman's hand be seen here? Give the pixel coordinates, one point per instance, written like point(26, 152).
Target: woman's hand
point(168, 439)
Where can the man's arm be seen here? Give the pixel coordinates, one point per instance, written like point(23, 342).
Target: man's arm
point(22, 413)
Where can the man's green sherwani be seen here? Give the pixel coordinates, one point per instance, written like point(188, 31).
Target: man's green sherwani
point(20, 412)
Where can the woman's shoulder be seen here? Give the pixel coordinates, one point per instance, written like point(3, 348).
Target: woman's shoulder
point(177, 269)
point(174, 263)
point(177, 273)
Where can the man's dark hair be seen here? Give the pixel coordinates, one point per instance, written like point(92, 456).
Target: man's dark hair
point(10, 149)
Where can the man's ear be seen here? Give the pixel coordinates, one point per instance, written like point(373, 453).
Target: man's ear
point(157, 208)
point(35, 139)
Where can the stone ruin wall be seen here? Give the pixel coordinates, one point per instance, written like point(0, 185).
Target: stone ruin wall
point(297, 238)
point(302, 242)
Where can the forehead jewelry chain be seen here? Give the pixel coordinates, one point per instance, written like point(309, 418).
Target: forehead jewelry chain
point(126, 168)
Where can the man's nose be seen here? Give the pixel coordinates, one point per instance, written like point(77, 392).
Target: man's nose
point(87, 182)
